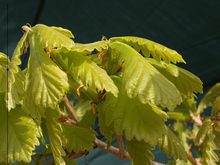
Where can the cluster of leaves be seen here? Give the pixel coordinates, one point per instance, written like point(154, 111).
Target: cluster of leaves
point(125, 83)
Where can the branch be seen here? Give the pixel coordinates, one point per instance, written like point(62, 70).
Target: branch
point(115, 151)
point(197, 120)
point(121, 146)
point(191, 159)
point(70, 108)
point(121, 153)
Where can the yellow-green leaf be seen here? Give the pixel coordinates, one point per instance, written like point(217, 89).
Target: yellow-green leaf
point(142, 80)
point(148, 48)
point(140, 152)
point(54, 130)
point(78, 138)
point(84, 71)
point(19, 135)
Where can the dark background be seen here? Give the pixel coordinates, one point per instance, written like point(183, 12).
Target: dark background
point(192, 27)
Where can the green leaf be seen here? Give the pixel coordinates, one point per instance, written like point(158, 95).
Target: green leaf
point(216, 106)
point(78, 138)
point(203, 131)
point(85, 71)
point(90, 47)
point(3, 72)
point(83, 111)
point(186, 82)
point(172, 146)
point(70, 162)
point(147, 47)
point(51, 37)
point(3, 59)
point(46, 83)
point(17, 91)
point(209, 97)
point(176, 116)
point(142, 80)
point(103, 114)
point(178, 162)
point(54, 130)
point(130, 117)
point(140, 152)
point(19, 135)
point(14, 69)
point(65, 32)
point(209, 156)
point(187, 107)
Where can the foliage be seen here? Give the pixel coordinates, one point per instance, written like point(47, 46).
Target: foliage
point(130, 85)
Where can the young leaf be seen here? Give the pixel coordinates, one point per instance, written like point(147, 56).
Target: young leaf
point(52, 37)
point(142, 80)
point(3, 72)
point(147, 47)
point(54, 129)
point(78, 138)
point(172, 146)
point(103, 113)
point(130, 117)
point(17, 90)
point(203, 131)
point(140, 152)
point(209, 156)
point(84, 71)
point(90, 47)
point(210, 97)
point(16, 61)
point(178, 162)
point(46, 82)
point(63, 31)
point(186, 82)
point(14, 69)
point(19, 135)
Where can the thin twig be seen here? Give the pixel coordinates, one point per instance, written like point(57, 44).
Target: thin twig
point(98, 143)
point(197, 120)
point(121, 146)
point(191, 159)
point(70, 108)
point(102, 145)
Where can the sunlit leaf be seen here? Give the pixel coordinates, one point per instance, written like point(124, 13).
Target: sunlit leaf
point(209, 97)
point(186, 82)
point(65, 32)
point(55, 131)
point(203, 131)
point(142, 80)
point(209, 156)
point(132, 118)
point(52, 37)
point(19, 135)
point(85, 71)
point(46, 83)
point(172, 146)
point(3, 72)
point(90, 47)
point(148, 47)
point(13, 68)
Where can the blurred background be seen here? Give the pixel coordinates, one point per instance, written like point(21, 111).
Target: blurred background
point(190, 27)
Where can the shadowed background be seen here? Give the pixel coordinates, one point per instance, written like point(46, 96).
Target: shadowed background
point(190, 27)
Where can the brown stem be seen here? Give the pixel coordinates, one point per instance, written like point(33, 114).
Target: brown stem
point(121, 153)
point(197, 120)
point(102, 145)
point(121, 146)
point(191, 159)
point(70, 108)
